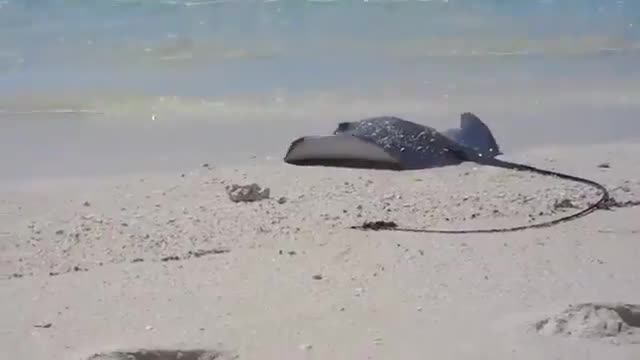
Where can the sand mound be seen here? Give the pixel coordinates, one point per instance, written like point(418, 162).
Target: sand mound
point(160, 355)
point(593, 321)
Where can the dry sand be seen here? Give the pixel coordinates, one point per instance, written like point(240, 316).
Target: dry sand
point(168, 262)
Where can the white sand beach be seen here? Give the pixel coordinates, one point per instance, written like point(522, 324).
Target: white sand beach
point(165, 261)
point(124, 122)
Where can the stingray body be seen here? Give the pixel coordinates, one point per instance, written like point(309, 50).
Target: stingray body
point(396, 144)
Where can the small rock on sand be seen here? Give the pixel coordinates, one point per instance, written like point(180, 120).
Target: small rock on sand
point(564, 204)
point(247, 193)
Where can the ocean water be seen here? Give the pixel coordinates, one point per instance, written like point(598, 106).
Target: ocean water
point(161, 81)
point(213, 48)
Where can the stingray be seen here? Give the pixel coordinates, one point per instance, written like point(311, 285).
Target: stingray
point(391, 143)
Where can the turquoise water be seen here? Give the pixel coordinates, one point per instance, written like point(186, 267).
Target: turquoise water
point(99, 83)
point(222, 47)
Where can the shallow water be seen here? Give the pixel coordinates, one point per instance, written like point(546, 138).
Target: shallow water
point(138, 83)
point(213, 48)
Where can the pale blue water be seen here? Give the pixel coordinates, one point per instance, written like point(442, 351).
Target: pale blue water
point(220, 47)
point(257, 64)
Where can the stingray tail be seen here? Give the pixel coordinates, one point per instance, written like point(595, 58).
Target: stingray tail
point(601, 203)
point(475, 134)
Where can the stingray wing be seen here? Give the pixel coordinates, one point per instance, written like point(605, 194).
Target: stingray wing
point(340, 151)
point(474, 138)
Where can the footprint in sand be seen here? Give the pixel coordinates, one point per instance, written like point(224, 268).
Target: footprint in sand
point(162, 355)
